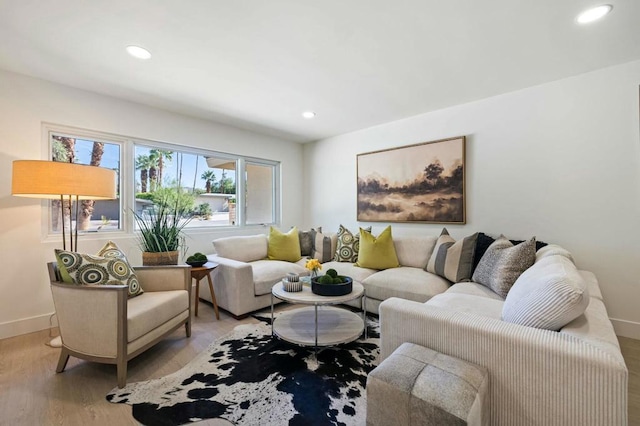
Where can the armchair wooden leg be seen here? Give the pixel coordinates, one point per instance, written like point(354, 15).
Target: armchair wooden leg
point(62, 361)
point(122, 372)
point(187, 327)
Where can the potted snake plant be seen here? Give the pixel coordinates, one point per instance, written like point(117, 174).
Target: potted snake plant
point(162, 233)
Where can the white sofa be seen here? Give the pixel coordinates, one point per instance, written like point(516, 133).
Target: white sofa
point(244, 278)
point(574, 376)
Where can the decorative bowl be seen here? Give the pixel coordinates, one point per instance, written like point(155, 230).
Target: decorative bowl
point(196, 263)
point(331, 289)
point(291, 286)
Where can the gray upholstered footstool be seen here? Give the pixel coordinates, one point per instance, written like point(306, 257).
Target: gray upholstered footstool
point(419, 386)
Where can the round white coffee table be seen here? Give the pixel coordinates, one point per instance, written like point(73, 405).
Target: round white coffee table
point(320, 324)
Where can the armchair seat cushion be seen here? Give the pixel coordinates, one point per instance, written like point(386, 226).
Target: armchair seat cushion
point(405, 282)
point(152, 309)
point(268, 272)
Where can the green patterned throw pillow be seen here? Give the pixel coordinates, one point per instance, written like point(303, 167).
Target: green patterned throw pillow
point(109, 267)
point(348, 245)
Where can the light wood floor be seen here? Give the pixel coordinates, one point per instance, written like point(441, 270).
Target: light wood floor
point(31, 393)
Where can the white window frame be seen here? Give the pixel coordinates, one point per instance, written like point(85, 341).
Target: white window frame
point(128, 178)
point(73, 132)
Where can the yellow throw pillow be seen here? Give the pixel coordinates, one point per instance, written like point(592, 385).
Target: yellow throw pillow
point(284, 246)
point(377, 253)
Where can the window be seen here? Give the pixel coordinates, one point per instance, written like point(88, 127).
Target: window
point(260, 187)
point(93, 216)
point(206, 183)
point(217, 189)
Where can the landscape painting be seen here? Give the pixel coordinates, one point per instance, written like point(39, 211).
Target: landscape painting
point(416, 183)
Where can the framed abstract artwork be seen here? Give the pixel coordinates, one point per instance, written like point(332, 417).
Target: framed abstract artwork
point(416, 183)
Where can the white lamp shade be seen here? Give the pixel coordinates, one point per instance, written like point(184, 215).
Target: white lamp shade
point(50, 179)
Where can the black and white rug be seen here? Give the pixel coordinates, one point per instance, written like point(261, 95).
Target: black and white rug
point(249, 378)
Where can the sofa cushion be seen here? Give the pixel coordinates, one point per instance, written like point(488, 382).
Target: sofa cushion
point(503, 263)
point(324, 245)
point(452, 259)
point(268, 272)
point(349, 270)
point(405, 282)
point(284, 246)
point(348, 245)
point(467, 303)
point(595, 327)
point(242, 249)
point(548, 295)
point(87, 269)
point(377, 253)
point(152, 309)
point(414, 251)
point(474, 289)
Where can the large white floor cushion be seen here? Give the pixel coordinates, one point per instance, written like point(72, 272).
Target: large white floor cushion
point(404, 282)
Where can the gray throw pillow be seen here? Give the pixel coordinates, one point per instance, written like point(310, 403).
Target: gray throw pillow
point(306, 241)
point(503, 263)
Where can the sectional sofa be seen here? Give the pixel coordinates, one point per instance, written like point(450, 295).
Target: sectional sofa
point(571, 374)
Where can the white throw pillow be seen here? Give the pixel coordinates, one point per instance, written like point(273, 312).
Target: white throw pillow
point(242, 249)
point(553, 250)
point(548, 295)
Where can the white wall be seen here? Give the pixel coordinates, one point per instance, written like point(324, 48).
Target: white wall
point(560, 161)
point(25, 298)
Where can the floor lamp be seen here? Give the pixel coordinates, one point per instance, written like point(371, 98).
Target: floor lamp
point(66, 182)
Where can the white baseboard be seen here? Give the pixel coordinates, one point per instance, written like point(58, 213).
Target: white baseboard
point(27, 325)
point(626, 328)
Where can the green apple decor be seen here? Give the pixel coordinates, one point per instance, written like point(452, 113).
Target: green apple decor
point(331, 284)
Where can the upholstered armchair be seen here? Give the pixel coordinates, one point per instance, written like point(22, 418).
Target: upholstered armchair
point(99, 324)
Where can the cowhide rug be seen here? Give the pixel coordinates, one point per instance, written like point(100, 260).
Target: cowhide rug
point(249, 378)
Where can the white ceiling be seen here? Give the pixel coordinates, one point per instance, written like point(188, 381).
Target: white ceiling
point(258, 64)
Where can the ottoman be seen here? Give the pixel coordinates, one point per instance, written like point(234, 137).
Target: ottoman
point(419, 386)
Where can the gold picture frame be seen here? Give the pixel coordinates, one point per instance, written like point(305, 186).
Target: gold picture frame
point(423, 182)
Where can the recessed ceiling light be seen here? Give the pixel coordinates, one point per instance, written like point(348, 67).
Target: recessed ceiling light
point(138, 52)
point(593, 14)
point(308, 114)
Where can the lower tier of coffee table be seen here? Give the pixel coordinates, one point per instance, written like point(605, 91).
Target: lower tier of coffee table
point(334, 326)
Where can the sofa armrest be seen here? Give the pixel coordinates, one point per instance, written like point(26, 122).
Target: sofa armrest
point(233, 284)
point(536, 376)
point(164, 278)
point(89, 317)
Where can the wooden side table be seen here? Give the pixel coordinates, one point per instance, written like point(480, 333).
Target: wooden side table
point(198, 273)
